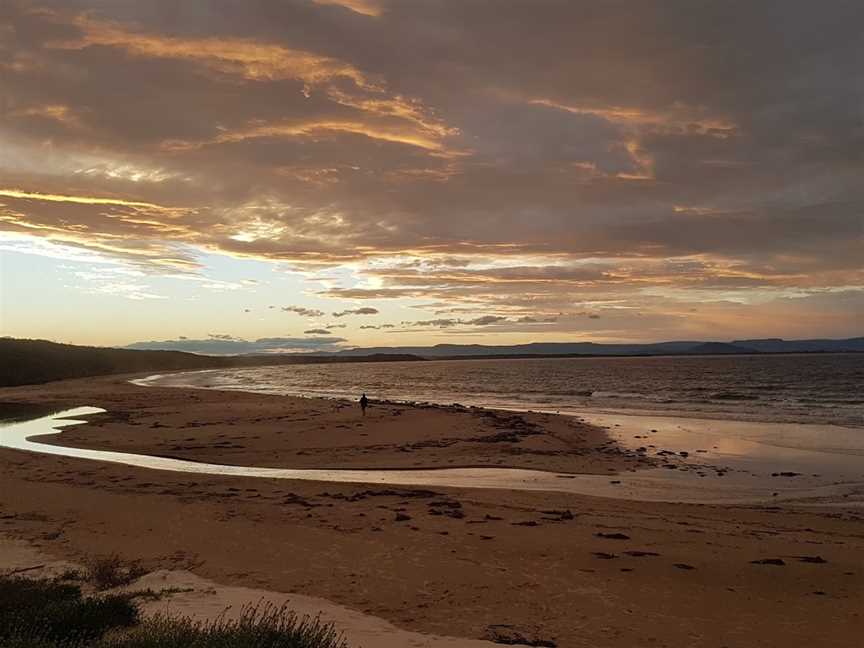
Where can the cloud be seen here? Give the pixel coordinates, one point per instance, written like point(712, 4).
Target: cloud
point(316, 332)
point(228, 345)
point(587, 170)
point(484, 320)
point(365, 7)
point(304, 312)
point(366, 310)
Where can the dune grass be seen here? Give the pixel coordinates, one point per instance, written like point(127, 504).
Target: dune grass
point(51, 613)
point(261, 626)
point(54, 614)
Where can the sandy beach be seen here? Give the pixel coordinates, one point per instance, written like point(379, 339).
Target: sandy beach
point(560, 568)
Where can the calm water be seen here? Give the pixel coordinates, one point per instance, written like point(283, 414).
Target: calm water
point(788, 388)
point(739, 486)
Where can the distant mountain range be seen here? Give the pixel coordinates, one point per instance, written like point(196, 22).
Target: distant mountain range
point(24, 362)
point(768, 345)
point(29, 362)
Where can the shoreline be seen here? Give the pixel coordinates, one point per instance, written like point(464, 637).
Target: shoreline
point(561, 567)
point(665, 409)
point(754, 444)
point(645, 485)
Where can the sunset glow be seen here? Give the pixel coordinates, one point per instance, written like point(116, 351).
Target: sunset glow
point(504, 177)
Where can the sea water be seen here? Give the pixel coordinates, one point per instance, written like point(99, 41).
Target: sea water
point(795, 388)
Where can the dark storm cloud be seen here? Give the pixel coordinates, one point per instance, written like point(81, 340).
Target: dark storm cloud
point(513, 158)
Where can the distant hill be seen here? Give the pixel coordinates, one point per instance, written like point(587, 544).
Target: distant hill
point(593, 349)
point(719, 348)
point(534, 348)
point(776, 345)
point(28, 362)
point(25, 362)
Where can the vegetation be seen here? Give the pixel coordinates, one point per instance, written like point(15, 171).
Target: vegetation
point(54, 614)
point(31, 362)
point(263, 626)
point(111, 571)
point(49, 614)
point(27, 362)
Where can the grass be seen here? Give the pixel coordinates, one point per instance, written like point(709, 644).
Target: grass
point(54, 614)
point(109, 572)
point(261, 626)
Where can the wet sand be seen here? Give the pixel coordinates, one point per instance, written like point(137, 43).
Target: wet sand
point(558, 567)
point(743, 486)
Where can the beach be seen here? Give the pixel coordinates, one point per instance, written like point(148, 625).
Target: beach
point(569, 568)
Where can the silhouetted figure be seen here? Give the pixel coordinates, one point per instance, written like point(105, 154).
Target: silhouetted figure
point(364, 403)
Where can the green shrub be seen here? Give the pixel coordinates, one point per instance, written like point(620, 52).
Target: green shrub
point(52, 614)
point(111, 571)
point(260, 626)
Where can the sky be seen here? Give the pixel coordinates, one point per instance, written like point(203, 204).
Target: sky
point(316, 174)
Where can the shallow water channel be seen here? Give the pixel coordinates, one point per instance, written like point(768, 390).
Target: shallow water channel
point(738, 487)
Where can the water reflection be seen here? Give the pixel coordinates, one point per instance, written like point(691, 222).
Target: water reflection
point(650, 485)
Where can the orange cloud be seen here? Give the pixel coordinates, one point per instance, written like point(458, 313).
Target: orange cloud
point(677, 117)
point(56, 112)
point(365, 7)
point(83, 200)
point(247, 58)
point(311, 129)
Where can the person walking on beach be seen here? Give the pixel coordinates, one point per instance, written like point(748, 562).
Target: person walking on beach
point(364, 403)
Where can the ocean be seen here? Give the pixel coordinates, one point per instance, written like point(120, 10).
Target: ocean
point(815, 388)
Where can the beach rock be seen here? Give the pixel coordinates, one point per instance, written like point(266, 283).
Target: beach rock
point(511, 636)
point(446, 504)
point(613, 536)
point(387, 492)
point(559, 515)
point(684, 566)
point(640, 554)
point(817, 560)
point(769, 561)
point(602, 555)
point(402, 517)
